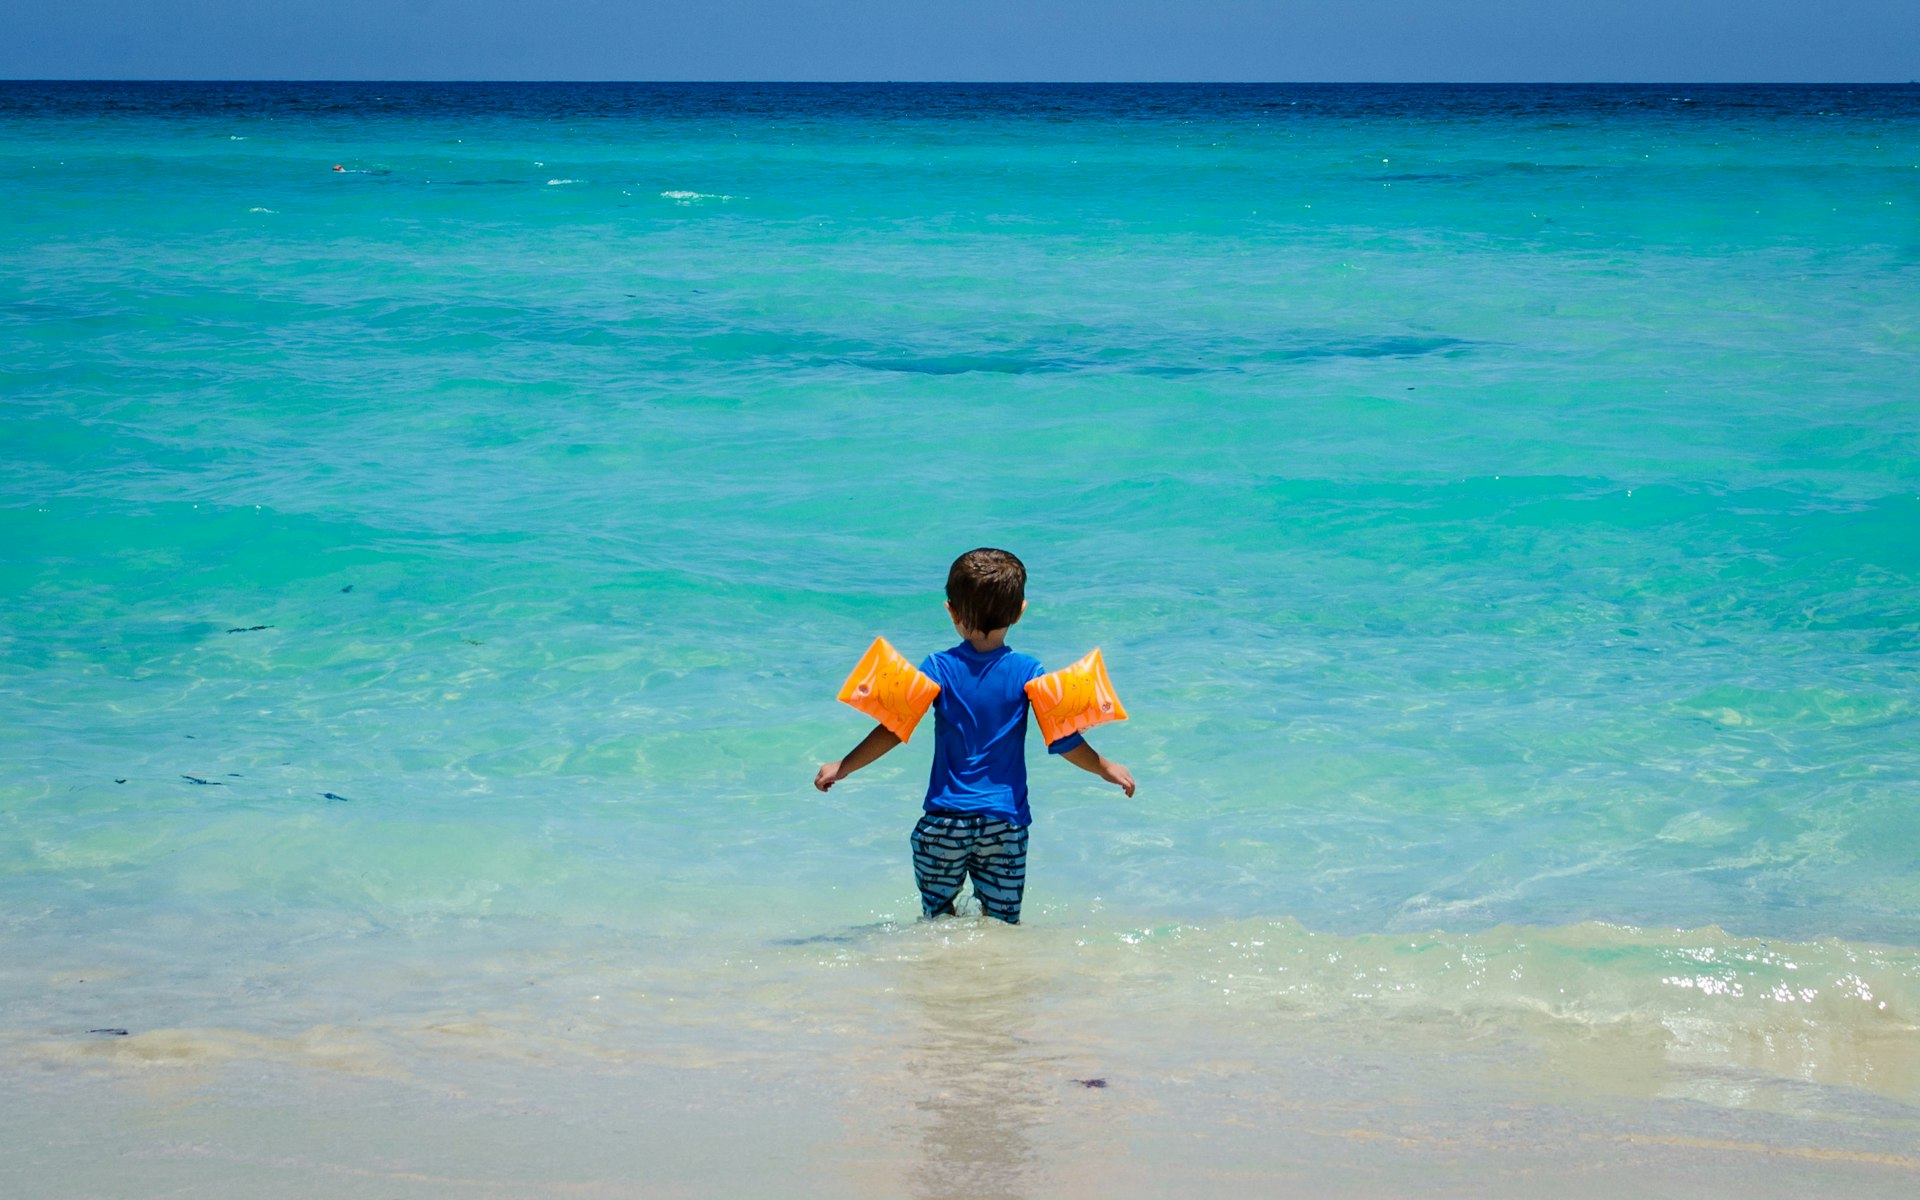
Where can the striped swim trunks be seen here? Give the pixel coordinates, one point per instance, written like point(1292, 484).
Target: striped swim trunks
point(947, 847)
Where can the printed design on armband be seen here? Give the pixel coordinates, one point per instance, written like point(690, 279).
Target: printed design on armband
point(1075, 698)
point(888, 688)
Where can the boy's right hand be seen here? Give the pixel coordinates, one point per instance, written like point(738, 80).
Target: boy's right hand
point(1115, 773)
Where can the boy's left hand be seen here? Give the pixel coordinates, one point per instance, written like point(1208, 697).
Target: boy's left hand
point(827, 775)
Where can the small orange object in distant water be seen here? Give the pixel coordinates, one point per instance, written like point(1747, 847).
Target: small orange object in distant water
point(1075, 698)
point(889, 689)
point(338, 167)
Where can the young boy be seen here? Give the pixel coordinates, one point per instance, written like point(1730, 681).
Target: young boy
point(976, 811)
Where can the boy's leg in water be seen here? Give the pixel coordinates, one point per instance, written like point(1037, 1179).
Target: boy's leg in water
point(998, 864)
point(940, 847)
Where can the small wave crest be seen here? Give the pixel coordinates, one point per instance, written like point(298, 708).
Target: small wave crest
point(1826, 1011)
point(684, 197)
point(1691, 1003)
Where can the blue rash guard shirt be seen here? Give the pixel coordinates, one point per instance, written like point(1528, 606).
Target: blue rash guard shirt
point(980, 732)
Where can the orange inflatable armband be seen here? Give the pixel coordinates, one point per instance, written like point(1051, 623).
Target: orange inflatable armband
point(889, 689)
point(1075, 698)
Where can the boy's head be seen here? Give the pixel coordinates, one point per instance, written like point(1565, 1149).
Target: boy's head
point(986, 590)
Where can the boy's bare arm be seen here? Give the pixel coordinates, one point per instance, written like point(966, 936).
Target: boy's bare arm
point(871, 747)
point(1088, 759)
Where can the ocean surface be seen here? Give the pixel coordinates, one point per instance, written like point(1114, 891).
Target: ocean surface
point(435, 520)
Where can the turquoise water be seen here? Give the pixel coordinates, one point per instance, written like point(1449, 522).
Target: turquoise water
point(1497, 508)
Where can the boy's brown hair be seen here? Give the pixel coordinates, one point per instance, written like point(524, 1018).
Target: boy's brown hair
point(987, 588)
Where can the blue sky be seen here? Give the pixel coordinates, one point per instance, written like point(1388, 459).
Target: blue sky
point(1458, 40)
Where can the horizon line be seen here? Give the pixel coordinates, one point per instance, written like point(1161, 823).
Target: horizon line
point(5, 79)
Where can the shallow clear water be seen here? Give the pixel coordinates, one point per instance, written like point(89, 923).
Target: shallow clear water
point(1497, 507)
